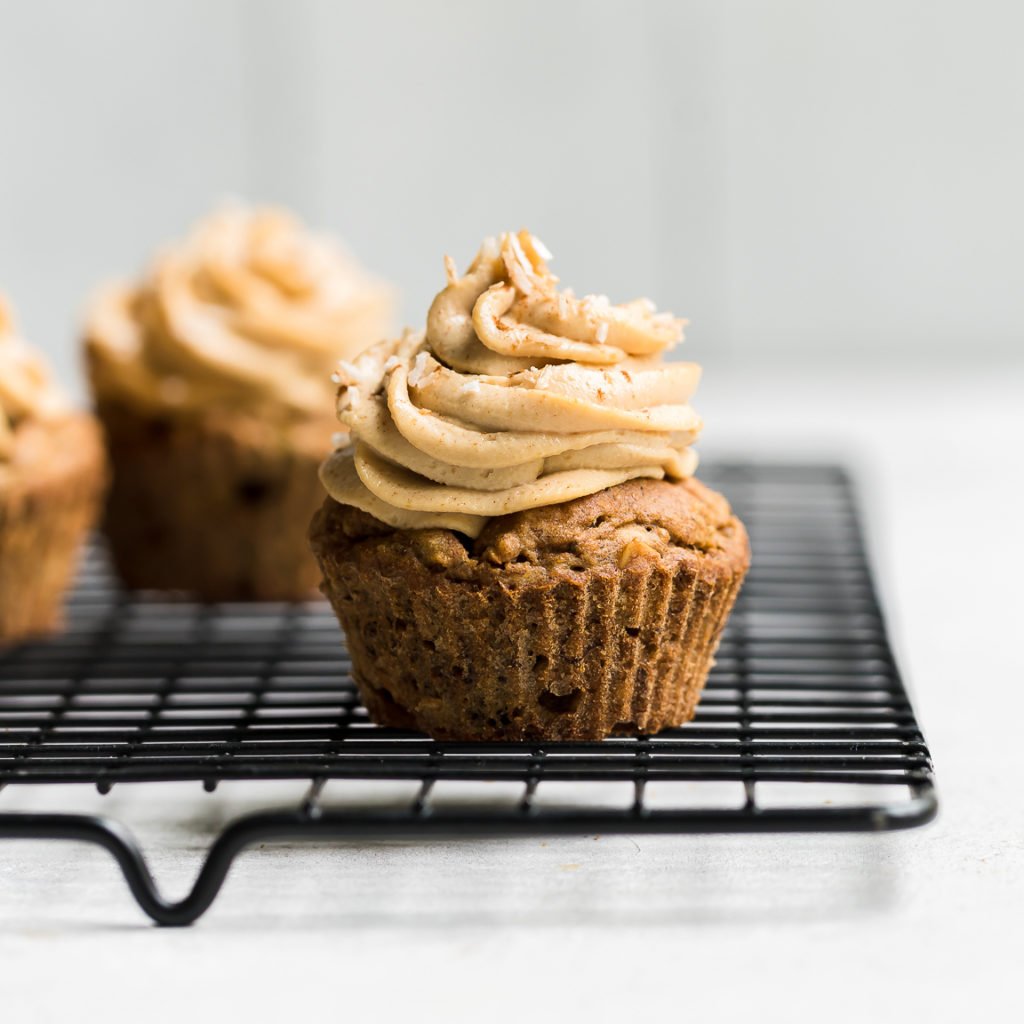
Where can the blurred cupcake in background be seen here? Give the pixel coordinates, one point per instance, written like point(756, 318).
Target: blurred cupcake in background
point(51, 482)
point(212, 378)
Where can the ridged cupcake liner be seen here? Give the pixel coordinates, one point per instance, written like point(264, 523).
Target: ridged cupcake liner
point(524, 651)
point(44, 519)
point(214, 508)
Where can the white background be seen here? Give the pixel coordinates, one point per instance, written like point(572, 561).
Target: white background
point(826, 180)
point(831, 192)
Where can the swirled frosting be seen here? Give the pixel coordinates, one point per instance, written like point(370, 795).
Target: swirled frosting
point(517, 395)
point(251, 312)
point(27, 391)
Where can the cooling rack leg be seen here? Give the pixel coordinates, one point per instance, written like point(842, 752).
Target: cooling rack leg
point(121, 845)
point(118, 841)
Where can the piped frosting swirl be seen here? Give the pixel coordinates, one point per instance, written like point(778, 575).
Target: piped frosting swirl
point(517, 395)
point(249, 313)
point(27, 390)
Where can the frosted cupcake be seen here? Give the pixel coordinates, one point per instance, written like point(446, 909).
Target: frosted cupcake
point(212, 377)
point(515, 545)
point(51, 482)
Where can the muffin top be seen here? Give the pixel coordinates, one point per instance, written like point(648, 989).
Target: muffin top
point(250, 313)
point(28, 394)
point(517, 395)
point(667, 521)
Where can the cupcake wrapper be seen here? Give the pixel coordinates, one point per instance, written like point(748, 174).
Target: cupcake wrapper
point(215, 509)
point(43, 523)
point(541, 654)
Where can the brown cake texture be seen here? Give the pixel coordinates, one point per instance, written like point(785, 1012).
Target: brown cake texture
point(574, 621)
point(50, 495)
point(213, 506)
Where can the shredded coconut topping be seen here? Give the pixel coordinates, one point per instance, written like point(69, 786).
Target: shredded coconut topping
point(451, 271)
point(541, 249)
point(419, 368)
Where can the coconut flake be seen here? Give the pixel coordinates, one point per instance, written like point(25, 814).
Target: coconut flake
point(594, 304)
point(519, 268)
point(419, 368)
point(602, 332)
point(540, 378)
point(541, 249)
point(348, 373)
point(451, 271)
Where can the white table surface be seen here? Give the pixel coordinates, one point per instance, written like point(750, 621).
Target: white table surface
point(923, 925)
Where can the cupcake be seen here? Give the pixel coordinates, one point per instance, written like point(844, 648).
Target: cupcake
point(515, 544)
point(51, 481)
point(212, 378)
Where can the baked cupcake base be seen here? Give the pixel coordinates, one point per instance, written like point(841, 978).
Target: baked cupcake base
point(213, 507)
point(575, 621)
point(49, 499)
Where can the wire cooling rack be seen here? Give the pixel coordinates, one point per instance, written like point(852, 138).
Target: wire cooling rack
point(805, 691)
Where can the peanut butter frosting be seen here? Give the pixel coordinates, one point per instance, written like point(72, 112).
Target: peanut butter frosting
point(517, 395)
point(27, 391)
point(251, 312)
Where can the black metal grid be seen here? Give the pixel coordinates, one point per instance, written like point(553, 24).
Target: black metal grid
point(805, 690)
